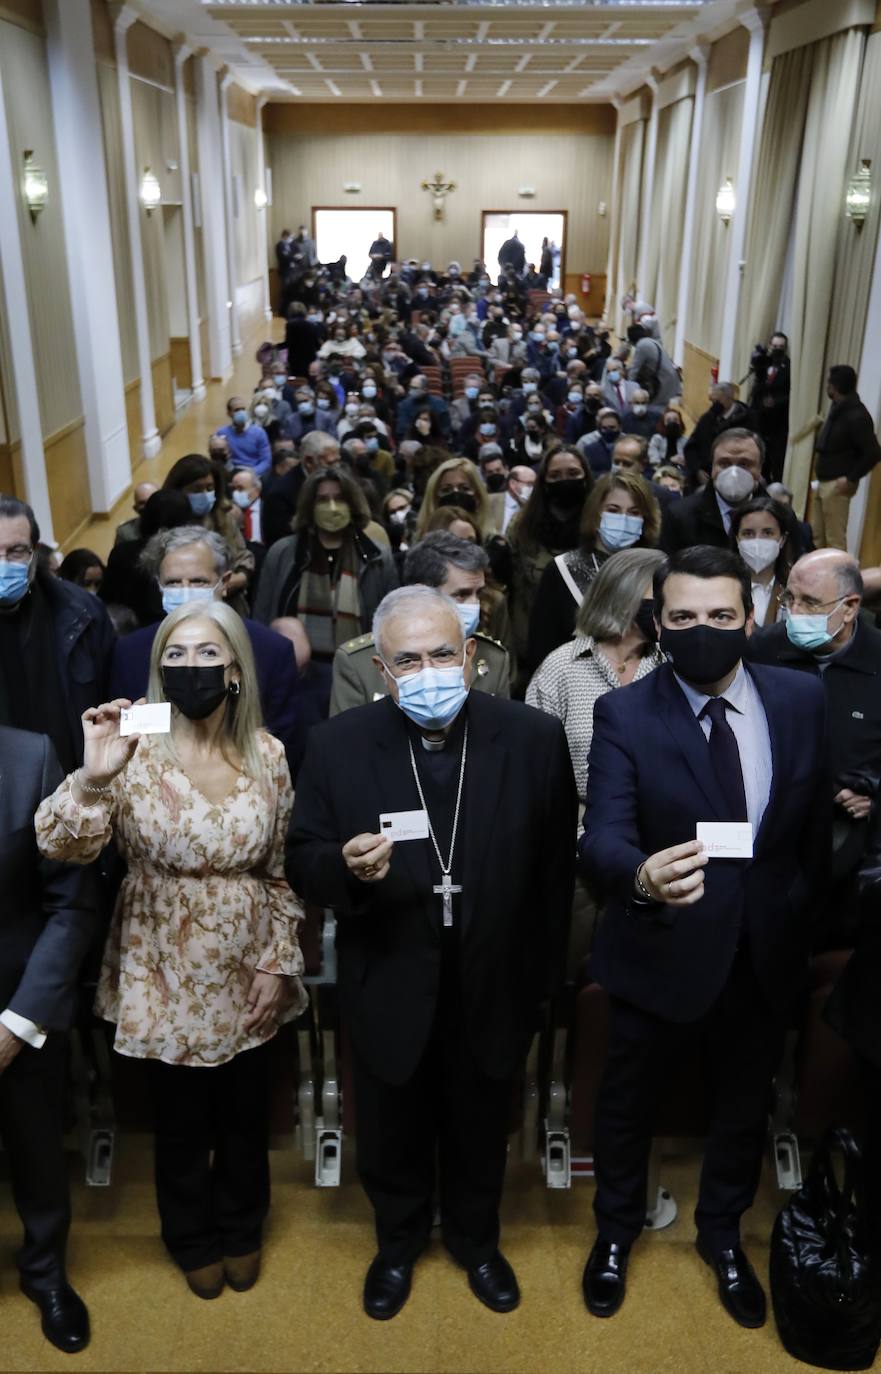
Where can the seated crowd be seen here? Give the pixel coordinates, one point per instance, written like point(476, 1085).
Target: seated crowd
point(425, 429)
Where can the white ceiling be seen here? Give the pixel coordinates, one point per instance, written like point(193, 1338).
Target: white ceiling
point(571, 51)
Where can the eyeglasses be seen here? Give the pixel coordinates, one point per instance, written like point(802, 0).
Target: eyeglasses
point(17, 553)
point(789, 600)
point(407, 665)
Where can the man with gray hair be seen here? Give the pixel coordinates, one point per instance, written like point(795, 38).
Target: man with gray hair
point(438, 824)
point(457, 567)
point(191, 563)
point(316, 450)
point(825, 634)
point(725, 412)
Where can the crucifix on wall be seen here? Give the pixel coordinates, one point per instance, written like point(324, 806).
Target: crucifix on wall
point(439, 189)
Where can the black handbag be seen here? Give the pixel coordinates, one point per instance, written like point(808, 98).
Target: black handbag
point(824, 1280)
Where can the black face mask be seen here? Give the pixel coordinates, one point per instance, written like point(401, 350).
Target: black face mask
point(610, 436)
point(567, 494)
point(717, 408)
point(465, 500)
point(702, 653)
point(673, 431)
point(644, 620)
point(592, 403)
point(496, 481)
point(196, 692)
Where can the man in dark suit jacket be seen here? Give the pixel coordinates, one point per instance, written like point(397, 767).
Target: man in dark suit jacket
point(441, 994)
point(735, 477)
point(190, 562)
point(694, 949)
point(47, 922)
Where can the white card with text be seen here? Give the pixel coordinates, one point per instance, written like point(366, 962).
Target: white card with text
point(404, 825)
point(152, 719)
point(726, 839)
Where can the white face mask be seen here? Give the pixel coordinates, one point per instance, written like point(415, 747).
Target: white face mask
point(734, 484)
point(639, 409)
point(758, 554)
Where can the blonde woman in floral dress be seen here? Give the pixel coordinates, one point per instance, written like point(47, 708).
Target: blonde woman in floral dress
point(202, 961)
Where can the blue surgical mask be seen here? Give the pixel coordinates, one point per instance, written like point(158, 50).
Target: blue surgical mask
point(241, 498)
point(614, 377)
point(574, 398)
point(487, 428)
point(14, 580)
point(433, 697)
point(305, 407)
point(472, 392)
point(279, 383)
point(372, 444)
point(323, 403)
point(239, 417)
point(469, 614)
point(201, 502)
point(529, 388)
point(620, 531)
point(173, 597)
point(368, 391)
point(536, 336)
point(810, 631)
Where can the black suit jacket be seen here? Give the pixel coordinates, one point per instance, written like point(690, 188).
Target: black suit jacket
point(694, 520)
point(516, 863)
point(650, 781)
point(48, 917)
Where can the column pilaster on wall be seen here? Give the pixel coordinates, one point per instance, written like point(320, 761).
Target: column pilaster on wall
point(648, 188)
point(123, 18)
point(614, 218)
point(700, 56)
point(211, 217)
point(756, 21)
point(232, 276)
point(181, 53)
point(88, 245)
point(870, 395)
point(263, 215)
point(23, 379)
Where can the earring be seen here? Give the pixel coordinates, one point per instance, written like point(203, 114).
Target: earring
point(234, 688)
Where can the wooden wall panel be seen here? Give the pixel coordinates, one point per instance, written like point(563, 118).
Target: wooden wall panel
point(150, 56)
point(163, 393)
point(593, 304)
point(697, 377)
point(67, 475)
point(385, 117)
point(7, 471)
point(26, 13)
point(181, 364)
point(728, 59)
point(29, 113)
point(133, 420)
point(102, 32)
point(570, 172)
point(241, 106)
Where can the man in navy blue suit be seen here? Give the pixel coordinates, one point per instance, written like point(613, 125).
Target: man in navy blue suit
point(694, 948)
point(191, 562)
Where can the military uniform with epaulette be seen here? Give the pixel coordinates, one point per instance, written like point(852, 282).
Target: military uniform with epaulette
point(357, 680)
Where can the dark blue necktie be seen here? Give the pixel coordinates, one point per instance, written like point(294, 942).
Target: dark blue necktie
point(725, 757)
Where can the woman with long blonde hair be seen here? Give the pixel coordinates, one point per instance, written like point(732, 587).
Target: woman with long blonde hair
point(202, 961)
point(457, 483)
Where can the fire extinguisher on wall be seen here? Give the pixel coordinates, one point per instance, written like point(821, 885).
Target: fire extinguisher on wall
point(585, 284)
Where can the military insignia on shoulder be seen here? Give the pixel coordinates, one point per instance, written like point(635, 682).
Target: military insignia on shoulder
point(481, 667)
point(353, 645)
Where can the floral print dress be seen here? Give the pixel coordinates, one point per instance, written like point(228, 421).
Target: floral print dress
point(203, 906)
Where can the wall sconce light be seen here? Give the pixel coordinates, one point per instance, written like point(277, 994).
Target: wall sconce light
point(351, 188)
point(35, 185)
point(726, 201)
point(526, 192)
point(261, 199)
point(151, 191)
point(859, 195)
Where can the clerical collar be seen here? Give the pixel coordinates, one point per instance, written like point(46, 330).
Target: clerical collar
point(452, 734)
point(432, 746)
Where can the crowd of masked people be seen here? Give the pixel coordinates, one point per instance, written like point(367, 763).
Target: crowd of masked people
point(436, 428)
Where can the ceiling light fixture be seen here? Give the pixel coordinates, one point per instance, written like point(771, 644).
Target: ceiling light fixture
point(261, 199)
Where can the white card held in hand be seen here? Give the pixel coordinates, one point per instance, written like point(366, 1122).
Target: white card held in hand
point(726, 839)
point(152, 719)
point(404, 825)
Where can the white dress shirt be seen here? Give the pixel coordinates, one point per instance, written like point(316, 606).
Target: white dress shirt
point(749, 725)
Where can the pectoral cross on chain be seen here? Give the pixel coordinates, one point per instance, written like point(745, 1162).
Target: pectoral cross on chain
point(447, 889)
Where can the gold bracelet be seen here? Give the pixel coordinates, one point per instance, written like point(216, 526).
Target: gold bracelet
point(90, 788)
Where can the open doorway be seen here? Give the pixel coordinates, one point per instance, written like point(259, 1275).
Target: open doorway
point(532, 227)
point(339, 231)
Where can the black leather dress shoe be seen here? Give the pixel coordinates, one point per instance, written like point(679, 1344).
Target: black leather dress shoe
point(741, 1293)
point(386, 1288)
point(604, 1282)
point(65, 1319)
point(495, 1284)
